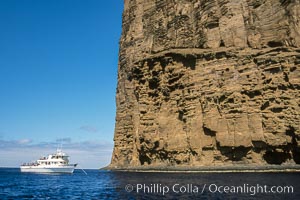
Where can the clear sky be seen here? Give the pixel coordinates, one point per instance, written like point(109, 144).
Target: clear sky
point(58, 76)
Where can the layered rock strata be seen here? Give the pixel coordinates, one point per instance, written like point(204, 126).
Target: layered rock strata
point(208, 83)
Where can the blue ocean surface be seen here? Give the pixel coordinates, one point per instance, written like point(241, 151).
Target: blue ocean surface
point(99, 184)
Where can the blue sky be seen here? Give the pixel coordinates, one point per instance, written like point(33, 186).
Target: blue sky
point(58, 76)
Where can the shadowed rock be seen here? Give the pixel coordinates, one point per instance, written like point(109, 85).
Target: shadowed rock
point(208, 83)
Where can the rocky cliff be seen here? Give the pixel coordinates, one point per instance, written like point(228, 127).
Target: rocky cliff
point(208, 83)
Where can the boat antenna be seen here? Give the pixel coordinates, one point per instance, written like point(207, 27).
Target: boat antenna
point(59, 147)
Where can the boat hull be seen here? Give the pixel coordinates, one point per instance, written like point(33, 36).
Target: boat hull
point(48, 169)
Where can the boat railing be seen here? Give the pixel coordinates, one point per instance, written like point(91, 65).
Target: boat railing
point(30, 164)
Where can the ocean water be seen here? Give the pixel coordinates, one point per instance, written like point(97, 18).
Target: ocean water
point(99, 184)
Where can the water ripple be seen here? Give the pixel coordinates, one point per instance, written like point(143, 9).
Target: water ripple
point(111, 185)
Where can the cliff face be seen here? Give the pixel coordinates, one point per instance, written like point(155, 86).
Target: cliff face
point(208, 82)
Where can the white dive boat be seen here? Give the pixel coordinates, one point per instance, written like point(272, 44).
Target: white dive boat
point(53, 163)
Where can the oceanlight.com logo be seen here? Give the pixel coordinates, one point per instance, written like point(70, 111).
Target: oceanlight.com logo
point(211, 188)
